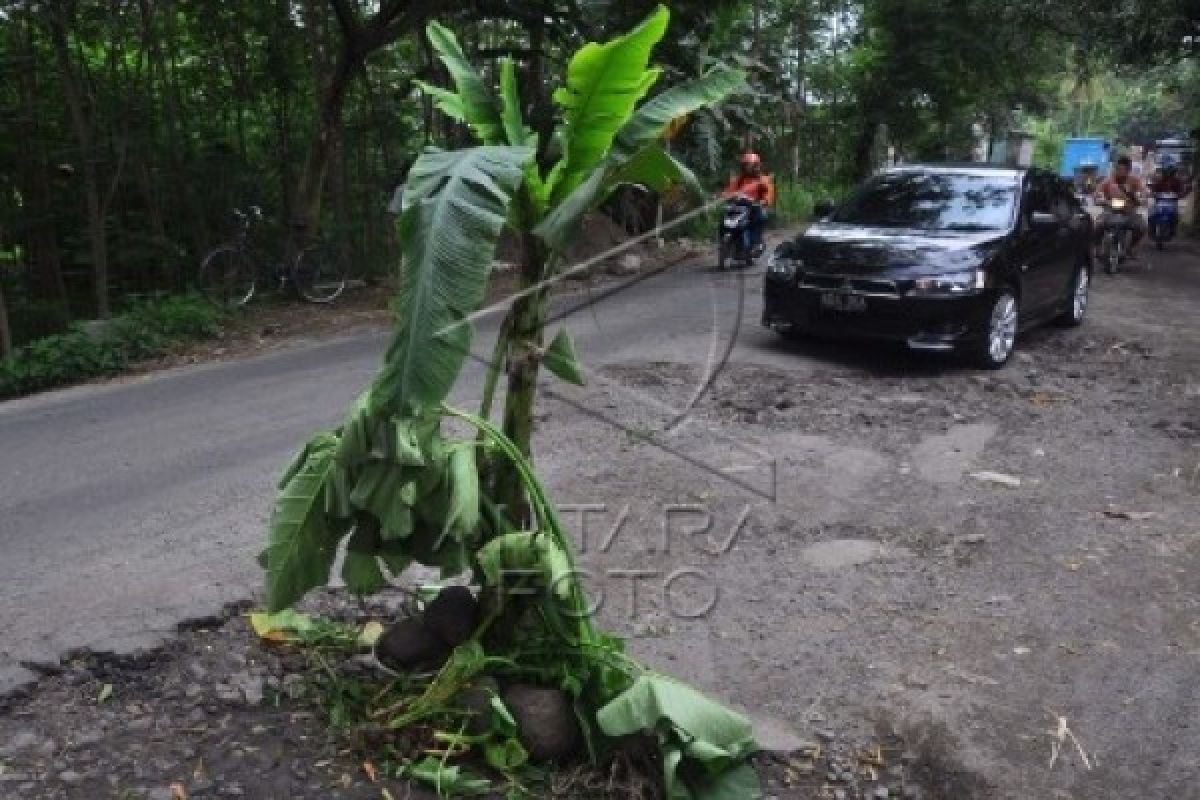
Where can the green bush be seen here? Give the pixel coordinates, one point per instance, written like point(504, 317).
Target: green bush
point(148, 329)
point(793, 203)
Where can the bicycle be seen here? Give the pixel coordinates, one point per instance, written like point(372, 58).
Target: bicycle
point(229, 275)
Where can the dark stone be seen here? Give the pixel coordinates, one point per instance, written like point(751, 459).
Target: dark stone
point(453, 615)
point(408, 646)
point(546, 723)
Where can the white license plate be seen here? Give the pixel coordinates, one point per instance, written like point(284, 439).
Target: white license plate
point(732, 223)
point(841, 301)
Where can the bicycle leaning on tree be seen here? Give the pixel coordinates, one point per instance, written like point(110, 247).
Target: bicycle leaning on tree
point(231, 274)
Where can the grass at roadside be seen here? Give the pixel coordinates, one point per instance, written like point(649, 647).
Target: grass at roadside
point(147, 330)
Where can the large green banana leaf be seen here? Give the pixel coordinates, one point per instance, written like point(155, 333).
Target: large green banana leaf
point(635, 154)
point(474, 103)
point(604, 84)
point(302, 540)
point(454, 207)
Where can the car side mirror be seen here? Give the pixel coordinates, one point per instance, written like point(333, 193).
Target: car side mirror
point(1043, 221)
point(823, 209)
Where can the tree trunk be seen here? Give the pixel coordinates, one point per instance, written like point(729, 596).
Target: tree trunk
point(6, 341)
point(74, 96)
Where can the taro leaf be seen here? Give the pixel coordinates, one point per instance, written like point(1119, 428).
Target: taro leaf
point(562, 360)
point(506, 755)
point(301, 542)
point(523, 552)
point(447, 780)
point(462, 517)
point(704, 744)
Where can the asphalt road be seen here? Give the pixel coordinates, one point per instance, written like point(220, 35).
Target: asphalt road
point(128, 507)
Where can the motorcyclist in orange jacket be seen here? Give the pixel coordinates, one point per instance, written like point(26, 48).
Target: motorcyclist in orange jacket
point(753, 184)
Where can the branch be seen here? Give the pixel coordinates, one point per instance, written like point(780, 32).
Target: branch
point(346, 18)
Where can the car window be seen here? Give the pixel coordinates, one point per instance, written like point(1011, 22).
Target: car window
point(1037, 195)
point(932, 201)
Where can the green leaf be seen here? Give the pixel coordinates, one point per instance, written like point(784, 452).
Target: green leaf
point(562, 360)
point(604, 83)
point(516, 131)
point(477, 103)
point(301, 543)
point(455, 207)
point(636, 155)
point(362, 574)
point(318, 442)
point(463, 515)
point(448, 102)
point(705, 745)
point(524, 552)
point(649, 122)
point(505, 755)
point(448, 780)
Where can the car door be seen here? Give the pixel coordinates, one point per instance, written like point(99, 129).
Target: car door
point(1042, 253)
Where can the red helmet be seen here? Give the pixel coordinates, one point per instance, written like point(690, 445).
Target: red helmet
point(750, 160)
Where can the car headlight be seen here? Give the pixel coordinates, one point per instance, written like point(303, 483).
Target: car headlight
point(782, 267)
point(951, 283)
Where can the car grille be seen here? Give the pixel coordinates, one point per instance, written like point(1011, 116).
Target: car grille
point(846, 283)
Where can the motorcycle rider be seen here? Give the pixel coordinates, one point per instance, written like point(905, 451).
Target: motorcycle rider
point(1123, 184)
point(1167, 181)
point(753, 184)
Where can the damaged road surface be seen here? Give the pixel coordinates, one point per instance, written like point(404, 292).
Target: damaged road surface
point(1000, 568)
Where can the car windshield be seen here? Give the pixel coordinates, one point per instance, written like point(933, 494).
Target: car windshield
point(943, 202)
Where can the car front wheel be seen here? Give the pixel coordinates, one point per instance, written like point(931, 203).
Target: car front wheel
point(996, 347)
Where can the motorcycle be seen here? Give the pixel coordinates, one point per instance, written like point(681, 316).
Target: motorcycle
point(1117, 236)
point(733, 238)
point(1164, 218)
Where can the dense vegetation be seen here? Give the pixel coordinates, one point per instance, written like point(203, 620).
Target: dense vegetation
point(131, 128)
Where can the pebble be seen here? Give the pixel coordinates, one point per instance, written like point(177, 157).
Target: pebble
point(824, 734)
point(70, 777)
point(881, 793)
point(19, 743)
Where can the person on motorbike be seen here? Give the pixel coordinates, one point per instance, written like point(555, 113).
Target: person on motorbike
point(1125, 185)
point(753, 184)
point(1167, 181)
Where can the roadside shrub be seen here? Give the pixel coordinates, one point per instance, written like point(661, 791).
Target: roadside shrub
point(793, 203)
point(149, 329)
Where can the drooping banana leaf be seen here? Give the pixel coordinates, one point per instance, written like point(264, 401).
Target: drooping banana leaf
point(302, 540)
point(454, 207)
point(636, 154)
point(474, 103)
point(705, 745)
point(604, 84)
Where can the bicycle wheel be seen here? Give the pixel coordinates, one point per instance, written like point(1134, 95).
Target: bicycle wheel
point(226, 277)
point(319, 274)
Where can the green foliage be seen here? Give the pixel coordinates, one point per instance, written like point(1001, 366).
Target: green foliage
point(148, 329)
point(704, 744)
point(455, 205)
point(562, 360)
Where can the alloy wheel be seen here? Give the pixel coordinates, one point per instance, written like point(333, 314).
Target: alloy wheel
point(1002, 328)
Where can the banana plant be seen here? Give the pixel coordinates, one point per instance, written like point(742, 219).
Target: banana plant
point(608, 134)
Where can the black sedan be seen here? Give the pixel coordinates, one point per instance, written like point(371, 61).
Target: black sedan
point(944, 258)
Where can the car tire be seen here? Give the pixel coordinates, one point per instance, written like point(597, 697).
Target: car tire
point(1077, 298)
point(1000, 338)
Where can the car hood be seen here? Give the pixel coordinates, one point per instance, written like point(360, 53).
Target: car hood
point(832, 248)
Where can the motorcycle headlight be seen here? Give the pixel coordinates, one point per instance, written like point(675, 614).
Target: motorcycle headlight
point(782, 267)
point(951, 283)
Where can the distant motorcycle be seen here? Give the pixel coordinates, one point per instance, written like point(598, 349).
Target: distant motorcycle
point(1117, 237)
point(1163, 220)
point(733, 239)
